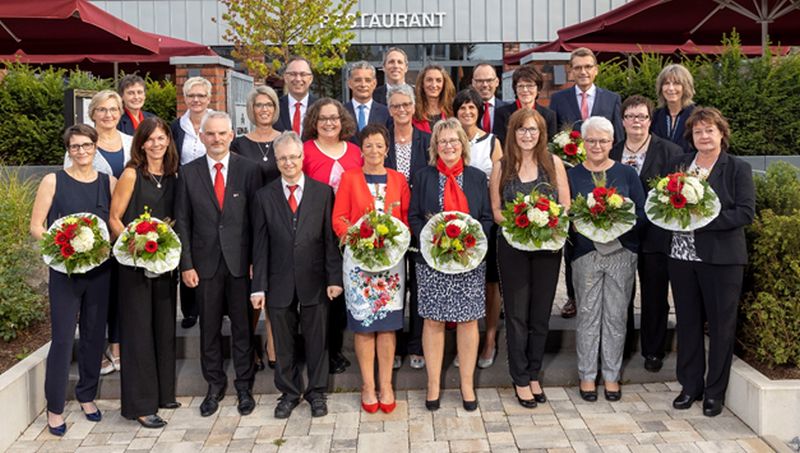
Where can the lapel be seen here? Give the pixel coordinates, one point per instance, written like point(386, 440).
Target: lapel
point(719, 168)
point(306, 206)
point(205, 175)
point(281, 206)
point(574, 107)
point(234, 170)
point(650, 157)
point(416, 143)
point(349, 107)
point(598, 99)
point(285, 119)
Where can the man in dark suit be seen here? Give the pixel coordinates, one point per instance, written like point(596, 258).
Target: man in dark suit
point(213, 221)
point(362, 84)
point(574, 105)
point(650, 156)
point(395, 67)
point(297, 78)
point(485, 82)
point(297, 270)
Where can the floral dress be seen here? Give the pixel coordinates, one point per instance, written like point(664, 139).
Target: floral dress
point(374, 299)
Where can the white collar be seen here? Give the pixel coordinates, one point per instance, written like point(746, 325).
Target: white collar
point(590, 92)
point(368, 104)
point(300, 182)
point(224, 161)
point(293, 101)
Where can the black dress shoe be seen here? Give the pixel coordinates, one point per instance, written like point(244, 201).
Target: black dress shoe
point(684, 401)
point(337, 366)
point(432, 405)
point(285, 407)
point(589, 395)
point(246, 402)
point(653, 363)
point(527, 404)
point(170, 405)
point(188, 322)
point(210, 403)
point(712, 407)
point(271, 364)
point(612, 395)
point(319, 408)
point(540, 398)
point(151, 421)
point(343, 359)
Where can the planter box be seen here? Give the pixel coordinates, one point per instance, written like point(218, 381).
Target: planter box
point(22, 395)
point(770, 408)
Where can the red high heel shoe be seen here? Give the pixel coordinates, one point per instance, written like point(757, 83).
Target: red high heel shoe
point(388, 408)
point(370, 408)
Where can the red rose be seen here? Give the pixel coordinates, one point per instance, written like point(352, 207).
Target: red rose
point(678, 201)
point(380, 241)
point(450, 217)
point(60, 239)
point(599, 192)
point(144, 228)
point(67, 251)
point(69, 231)
point(87, 221)
point(151, 246)
point(365, 231)
point(553, 222)
point(574, 135)
point(570, 149)
point(520, 208)
point(452, 231)
point(597, 209)
point(674, 185)
point(522, 221)
point(543, 204)
point(469, 241)
point(611, 191)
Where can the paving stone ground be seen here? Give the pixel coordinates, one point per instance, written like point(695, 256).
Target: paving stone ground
point(642, 422)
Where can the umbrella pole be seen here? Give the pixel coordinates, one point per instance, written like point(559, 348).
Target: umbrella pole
point(116, 74)
point(764, 30)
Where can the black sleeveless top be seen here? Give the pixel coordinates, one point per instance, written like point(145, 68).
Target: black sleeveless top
point(147, 193)
point(73, 196)
point(541, 184)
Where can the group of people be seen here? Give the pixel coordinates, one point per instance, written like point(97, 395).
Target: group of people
point(261, 216)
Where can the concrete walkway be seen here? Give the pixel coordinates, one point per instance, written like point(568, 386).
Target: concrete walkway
point(643, 421)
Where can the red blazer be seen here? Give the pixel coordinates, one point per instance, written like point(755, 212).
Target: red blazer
point(354, 198)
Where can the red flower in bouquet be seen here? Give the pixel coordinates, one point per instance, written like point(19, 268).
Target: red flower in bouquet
point(470, 241)
point(574, 135)
point(450, 217)
point(570, 149)
point(553, 222)
point(365, 231)
point(599, 192)
point(151, 246)
point(597, 209)
point(67, 251)
point(520, 208)
point(674, 184)
point(61, 239)
point(522, 221)
point(69, 231)
point(452, 231)
point(87, 221)
point(678, 201)
point(543, 204)
point(145, 227)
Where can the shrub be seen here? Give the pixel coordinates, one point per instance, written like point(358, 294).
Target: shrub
point(161, 99)
point(779, 189)
point(20, 304)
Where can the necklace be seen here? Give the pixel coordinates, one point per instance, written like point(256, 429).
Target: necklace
point(157, 180)
point(263, 149)
point(644, 143)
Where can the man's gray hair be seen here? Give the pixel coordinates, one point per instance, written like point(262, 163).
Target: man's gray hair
point(215, 114)
point(400, 89)
point(286, 138)
point(598, 123)
point(362, 65)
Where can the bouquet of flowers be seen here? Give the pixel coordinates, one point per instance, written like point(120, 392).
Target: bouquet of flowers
point(149, 243)
point(453, 242)
point(377, 242)
point(681, 202)
point(534, 222)
point(568, 145)
point(76, 244)
point(603, 215)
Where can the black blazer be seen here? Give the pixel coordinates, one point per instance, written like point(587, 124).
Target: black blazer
point(177, 135)
point(660, 153)
point(284, 122)
point(378, 113)
point(420, 142)
point(503, 114)
point(125, 124)
point(568, 111)
point(658, 126)
point(208, 234)
point(425, 201)
point(379, 95)
point(723, 240)
point(295, 258)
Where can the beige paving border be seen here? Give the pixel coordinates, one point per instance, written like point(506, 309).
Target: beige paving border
point(22, 395)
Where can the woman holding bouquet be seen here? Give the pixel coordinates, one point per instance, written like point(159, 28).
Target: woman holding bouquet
point(529, 279)
point(147, 304)
point(78, 188)
point(374, 300)
point(706, 266)
point(450, 184)
point(603, 273)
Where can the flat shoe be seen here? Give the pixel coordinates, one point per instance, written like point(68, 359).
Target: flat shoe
point(612, 395)
point(170, 405)
point(569, 310)
point(684, 401)
point(486, 363)
point(417, 362)
point(589, 395)
point(151, 421)
point(398, 362)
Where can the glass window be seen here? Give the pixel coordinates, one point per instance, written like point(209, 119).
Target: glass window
point(484, 52)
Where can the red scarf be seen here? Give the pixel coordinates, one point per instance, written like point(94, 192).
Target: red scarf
point(135, 121)
point(454, 198)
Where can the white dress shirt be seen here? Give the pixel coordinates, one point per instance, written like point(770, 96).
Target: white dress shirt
point(367, 108)
point(303, 108)
point(591, 96)
point(213, 171)
point(298, 192)
point(192, 147)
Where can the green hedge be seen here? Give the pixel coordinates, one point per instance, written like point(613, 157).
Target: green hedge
point(32, 104)
point(759, 96)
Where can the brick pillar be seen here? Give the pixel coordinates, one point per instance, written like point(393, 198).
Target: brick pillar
point(214, 69)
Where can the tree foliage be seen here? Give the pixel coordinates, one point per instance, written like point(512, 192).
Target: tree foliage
point(265, 33)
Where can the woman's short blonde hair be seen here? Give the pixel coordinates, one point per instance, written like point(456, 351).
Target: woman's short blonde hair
point(449, 124)
point(101, 97)
point(262, 90)
point(192, 81)
point(681, 75)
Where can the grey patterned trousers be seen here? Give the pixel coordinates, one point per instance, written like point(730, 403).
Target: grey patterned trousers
point(603, 285)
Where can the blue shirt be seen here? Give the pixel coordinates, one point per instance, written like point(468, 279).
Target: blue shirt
point(115, 159)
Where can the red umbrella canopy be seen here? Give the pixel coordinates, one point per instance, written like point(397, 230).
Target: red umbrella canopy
point(68, 27)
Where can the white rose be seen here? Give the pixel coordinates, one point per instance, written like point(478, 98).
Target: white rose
point(663, 198)
point(561, 139)
point(690, 193)
point(526, 198)
point(83, 240)
point(459, 223)
point(697, 186)
point(590, 200)
point(151, 236)
point(538, 218)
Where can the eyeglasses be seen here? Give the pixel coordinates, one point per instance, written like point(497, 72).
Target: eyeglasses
point(527, 130)
point(329, 119)
point(103, 110)
point(264, 105)
point(526, 87)
point(290, 157)
point(483, 81)
point(196, 96)
point(403, 106)
point(298, 74)
point(597, 141)
point(453, 143)
point(640, 117)
point(586, 67)
point(75, 147)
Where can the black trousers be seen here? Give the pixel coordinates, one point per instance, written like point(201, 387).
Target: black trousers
point(528, 281)
point(113, 308)
point(337, 323)
point(189, 307)
point(654, 278)
point(81, 299)
point(411, 342)
point(219, 295)
point(714, 289)
point(287, 324)
point(147, 309)
point(568, 252)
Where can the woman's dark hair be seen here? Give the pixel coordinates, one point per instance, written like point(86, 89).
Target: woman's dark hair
point(79, 129)
point(512, 153)
point(637, 100)
point(708, 115)
point(312, 117)
point(138, 159)
point(128, 80)
point(374, 129)
point(529, 73)
point(466, 96)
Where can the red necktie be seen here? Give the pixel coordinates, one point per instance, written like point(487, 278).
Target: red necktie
point(296, 119)
point(292, 200)
point(219, 185)
point(487, 117)
point(584, 106)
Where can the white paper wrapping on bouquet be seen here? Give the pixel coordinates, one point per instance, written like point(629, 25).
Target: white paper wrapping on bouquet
point(395, 252)
point(600, 235)
point(154, 267)
point(452, 267)
point(553, 244)
point(695, 222)
point(60, 266)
